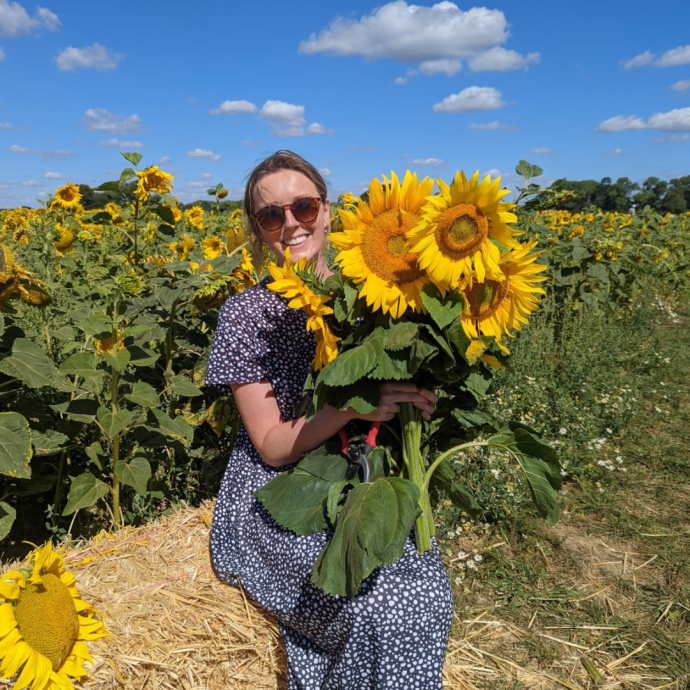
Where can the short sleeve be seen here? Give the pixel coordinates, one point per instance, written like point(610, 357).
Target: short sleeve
point(238, 355)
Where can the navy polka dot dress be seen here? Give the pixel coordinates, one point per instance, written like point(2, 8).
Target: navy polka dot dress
point(393, 634)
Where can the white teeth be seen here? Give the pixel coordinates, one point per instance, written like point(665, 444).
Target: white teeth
point(296, 240)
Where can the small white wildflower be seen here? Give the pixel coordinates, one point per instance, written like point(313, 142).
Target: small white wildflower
point(562, 431)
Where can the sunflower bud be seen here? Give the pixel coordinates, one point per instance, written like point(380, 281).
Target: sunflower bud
point(221, 193)
point(131, 284)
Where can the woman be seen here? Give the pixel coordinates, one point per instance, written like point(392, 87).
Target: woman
point(393, 634)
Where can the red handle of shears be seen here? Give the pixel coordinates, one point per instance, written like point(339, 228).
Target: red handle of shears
point(371, 436)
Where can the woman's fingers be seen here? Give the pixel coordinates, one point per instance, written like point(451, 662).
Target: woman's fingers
point(429, 395)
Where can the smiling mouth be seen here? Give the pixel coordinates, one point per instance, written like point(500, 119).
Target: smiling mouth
point(295, 241)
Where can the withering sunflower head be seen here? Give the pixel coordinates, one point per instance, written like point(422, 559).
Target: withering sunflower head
point(374, 248)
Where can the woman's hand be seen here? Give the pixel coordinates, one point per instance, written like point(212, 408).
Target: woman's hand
point(394, 393)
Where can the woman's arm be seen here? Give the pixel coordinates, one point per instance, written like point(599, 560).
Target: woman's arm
point(281, 443)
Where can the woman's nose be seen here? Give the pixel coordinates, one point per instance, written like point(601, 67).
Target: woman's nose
point(290, 221)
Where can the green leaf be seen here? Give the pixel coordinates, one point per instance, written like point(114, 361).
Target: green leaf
point(167, 296)
point(30, 364)
point(599, 272)
point(226, 264)
point(473, 418)
point(142, 356)
point(96, 455)
point(135, 473)
point(181, 385)
point(167, 230)
point(80, 364)
point(401, 335)
point(363, 396)
point(477, 385)
point(111, 186)
point(442, 311)
point(296, 499)
point(48, 442)
point(80, 410)
point(527, 170)
point(99, 327)
point(113, 422)
point(165, 213)
point(177, 427)
point(127, 174)
point(133, 158)
point(119, 359)
point(352, 365)
point(7, 518)
point(143, 394)
point(392, 366)
point(15, 445)
point(84, 491)
point(371, 531)
point(333, 499)
point(459, 494)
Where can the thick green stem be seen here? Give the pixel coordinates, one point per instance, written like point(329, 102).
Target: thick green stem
point(410, 419)
point(136, 233)
point(46, 331)
point(117, 519)
point(58, 484)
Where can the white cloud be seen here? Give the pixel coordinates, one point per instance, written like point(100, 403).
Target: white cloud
point(2, 54)
point(671, 58)
point(205, 176)
point(683, 85)
point(640, 60)
point(203, 153)
point(234, 108)
point(122, 144)
point(426, 161)
point(400, 81)
point(412, 33)
point(5, 125)
point(499, 59)
point(46, 155)
point(614, 153)
point(33, 183)
point(471, 98)
point(326, 172)
point(251, 144)
point(316, 128)
point(15, 20)
point(676, 120)
point(100, 120)
point(96, 57)
point(165, 160)
point(542, 150)
point(196, 185)
point(674, 58)
point(446, 66)
point(286, 119)
point(53, 176)
point(492, 126)
point(671, 138)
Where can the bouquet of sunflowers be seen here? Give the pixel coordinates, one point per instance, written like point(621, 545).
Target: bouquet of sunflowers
point(426, 289)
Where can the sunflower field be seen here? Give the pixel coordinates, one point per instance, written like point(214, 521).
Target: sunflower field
point(107, 318)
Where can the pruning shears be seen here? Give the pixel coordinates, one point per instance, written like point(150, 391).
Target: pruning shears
point(357, 449)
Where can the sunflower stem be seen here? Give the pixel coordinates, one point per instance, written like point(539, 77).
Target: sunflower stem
point(46, 331)
point(411, 423)
point(117, 515)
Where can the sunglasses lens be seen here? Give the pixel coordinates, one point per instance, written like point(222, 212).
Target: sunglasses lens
point(305, 210)
point(271, 218)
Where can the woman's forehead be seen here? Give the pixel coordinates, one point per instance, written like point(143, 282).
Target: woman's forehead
point(284, 186)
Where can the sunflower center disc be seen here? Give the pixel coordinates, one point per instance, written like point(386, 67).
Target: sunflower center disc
point(47, 620)
point(384, 247)
point(460, 231)
point(484, 298)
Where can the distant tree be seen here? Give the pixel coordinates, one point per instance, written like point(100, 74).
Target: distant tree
point(674, 201)
point(651, 193)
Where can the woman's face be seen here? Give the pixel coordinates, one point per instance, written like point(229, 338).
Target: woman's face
point(305, 241)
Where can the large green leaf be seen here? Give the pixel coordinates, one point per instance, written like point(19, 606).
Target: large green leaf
point(31, 365)
point(181, 385)
point(353, 364)
point(392, 366)
point(80, 409)
point(84, 491)
point(48, 442)
point(477, 385)
point(118, 360)
point(459, 494)
point(80, 364)
point(371, 530)
point(401, 335)
point(363, 396)
point(133, 158)
point(113, 422)
point(297, 499)
point(442, 310)
point(7, 517)
point(177, 427)
point(135, 473)
point(143, 394)
point(142, 356)
point(15, 445)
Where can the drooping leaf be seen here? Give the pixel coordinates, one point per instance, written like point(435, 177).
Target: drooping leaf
point(392, 366)
point(80, 364)
point(459, 494)
point(142, 356)
point(47, 442)
point(371, 530)
point(7, 517)
point(119, 359)
point(143, 394)
point(133, 158)
point(442, 310)
point(135, 473)
point(181, 385)
point(353, 364)
point(96, 455)
point(363, 396)
point(165, 213)
point(473, 418)
point(30, 364)
point(80, 409)
point(477, 385)
point(401, 335)
point(15, 445)
point(98, 327)
point(177, 427)
point(84, 491)
point(113, 422)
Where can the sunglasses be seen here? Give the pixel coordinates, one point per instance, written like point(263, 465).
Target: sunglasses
point(305, 210)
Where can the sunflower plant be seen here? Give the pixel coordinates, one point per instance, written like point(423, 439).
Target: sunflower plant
point(426, 288)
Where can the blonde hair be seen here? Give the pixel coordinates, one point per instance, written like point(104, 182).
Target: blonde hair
point(280, 160)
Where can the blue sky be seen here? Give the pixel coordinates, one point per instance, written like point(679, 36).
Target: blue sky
point(585, 90)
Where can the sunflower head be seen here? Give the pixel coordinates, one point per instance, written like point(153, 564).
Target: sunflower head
point(195, 217)
point(8, 267)
point(68, 196)
point(212, 246)
point(153, 180)
point(44, 625)
point(374, 248)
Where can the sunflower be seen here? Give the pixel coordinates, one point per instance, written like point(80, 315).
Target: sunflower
point(195, 217)
point(106, 345)
point(183, 248)
point(374, 247)
point(457, 227)
point(68, 196)
point(288, 283)
point(44, 625)
point(213, 247)
point(63, 245)
point(153, 180)
point(246, 264)
point(495, 307)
